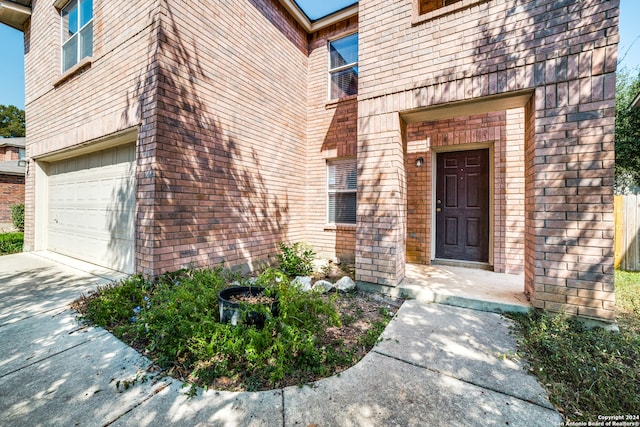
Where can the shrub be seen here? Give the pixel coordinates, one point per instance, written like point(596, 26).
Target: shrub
point(295, 260)
point(174, 319)
point(17, 216)
point(11, 243)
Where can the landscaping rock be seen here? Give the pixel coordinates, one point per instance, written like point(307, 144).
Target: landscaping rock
point(335, 260)
point(345, 284)
point(323, 286)
point(320, 265)
point(303, 281)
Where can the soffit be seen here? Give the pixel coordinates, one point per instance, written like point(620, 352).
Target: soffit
point(15, 13)
point(467, 108)
point(313, 26)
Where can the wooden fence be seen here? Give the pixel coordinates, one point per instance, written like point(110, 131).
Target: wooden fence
point(627, 233)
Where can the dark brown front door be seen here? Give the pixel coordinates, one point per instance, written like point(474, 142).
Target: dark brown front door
point(462, 206)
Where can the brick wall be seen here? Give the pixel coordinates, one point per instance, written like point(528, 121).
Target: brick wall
point(563, 54)
point(107, 97)
point(230, 143)
point(9, 153)
point(11, 192)
point(331, 134)
point(501, 131)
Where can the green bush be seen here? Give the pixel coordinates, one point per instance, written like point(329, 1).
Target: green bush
point(11, 243)
point(175, 320)
point(17, 216)
point(295, 260)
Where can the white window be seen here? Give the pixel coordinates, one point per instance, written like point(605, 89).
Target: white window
point(77, 32)
point(341, 187)
point(343, 66)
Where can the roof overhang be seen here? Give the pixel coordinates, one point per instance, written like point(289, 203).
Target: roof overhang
point(14, 14)
point(313, 26)
point(13, 142)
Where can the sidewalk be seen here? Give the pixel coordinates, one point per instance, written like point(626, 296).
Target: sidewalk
point(435, 365)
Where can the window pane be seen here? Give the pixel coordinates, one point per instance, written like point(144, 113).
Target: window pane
point(344, 83)
point(86, 12)
point(21, 153)
point(70, 21)
point(87, 41)
point(343, 51)
point(70, 53)
point(342, 208)
point(343, 175)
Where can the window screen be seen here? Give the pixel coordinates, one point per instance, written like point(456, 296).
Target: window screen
point(342, 185)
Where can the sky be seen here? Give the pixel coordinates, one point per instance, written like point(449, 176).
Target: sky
point(12, 47)
point(315, 9)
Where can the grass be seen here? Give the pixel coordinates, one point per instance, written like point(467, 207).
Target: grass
point(11, 243)
point(587, 372)
point(174, 320)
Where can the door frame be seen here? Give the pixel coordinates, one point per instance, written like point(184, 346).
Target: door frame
point(434, 165)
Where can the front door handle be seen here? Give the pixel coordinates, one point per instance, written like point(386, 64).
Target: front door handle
point(438, 209)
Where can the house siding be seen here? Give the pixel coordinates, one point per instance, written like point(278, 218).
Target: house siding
point(11, 193)
point(234, 130)
point(112, 95)
point(331, 134)
point(230, 143)
point(564, 53)
point(503, 132)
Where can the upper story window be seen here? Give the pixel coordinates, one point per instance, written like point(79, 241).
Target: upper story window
point(77, 32)
point(21, 153)
point(343, 66)
point(431, 5)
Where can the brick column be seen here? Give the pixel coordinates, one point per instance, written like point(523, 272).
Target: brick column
point(381, 216)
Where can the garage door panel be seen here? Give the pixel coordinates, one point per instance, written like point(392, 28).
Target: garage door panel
point(92, 207)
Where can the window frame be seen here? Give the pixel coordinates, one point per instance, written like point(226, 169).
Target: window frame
point(22, 153)
point(332, 163)
point(331, 71)
point(418, 17)
point(79, 34)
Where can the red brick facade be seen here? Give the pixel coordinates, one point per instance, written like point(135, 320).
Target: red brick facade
point(11, 185)
point(229, 105)
point(11, 193)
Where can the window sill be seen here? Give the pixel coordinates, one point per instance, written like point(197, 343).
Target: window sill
point(343, 227)
point(79, 68)
point(442, 11)
point(331, 104)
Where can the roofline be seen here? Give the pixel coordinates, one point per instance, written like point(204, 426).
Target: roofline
point(313, 26)
point(12, 173)
point(18, 141)
point(290, 5)
point(19, 9)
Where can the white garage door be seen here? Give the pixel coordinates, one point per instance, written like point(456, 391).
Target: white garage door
point(92, 206)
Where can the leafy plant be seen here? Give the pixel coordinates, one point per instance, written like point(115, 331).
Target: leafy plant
point(295, 260)
point(17, 216)
point(175, 320)
point(11, 243)
point(627, 131)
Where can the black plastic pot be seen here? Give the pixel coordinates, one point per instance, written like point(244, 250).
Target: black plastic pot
point(230, 312)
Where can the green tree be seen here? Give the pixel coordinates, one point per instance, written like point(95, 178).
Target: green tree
point(11, 121)
point(627, 130)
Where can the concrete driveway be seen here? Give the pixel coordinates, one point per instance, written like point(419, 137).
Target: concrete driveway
point(435, 365)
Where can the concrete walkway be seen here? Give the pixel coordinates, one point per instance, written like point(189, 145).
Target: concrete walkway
point(435, 365)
